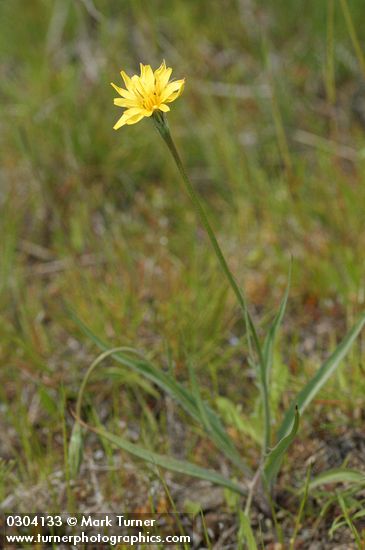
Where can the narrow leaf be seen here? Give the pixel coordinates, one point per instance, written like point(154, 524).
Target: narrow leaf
point(177, 391)
point(320, 378)
point(266, 366)
point(179, 466)
point(338, 475)
point(245, 532)
point(268, 348)
point(206, 418)
point(349, 522)
point(75, 450)
point(204, 415)
point(275, 456)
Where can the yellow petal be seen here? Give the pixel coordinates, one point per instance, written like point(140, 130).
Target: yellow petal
point(122, 91)
point(134, 111)
point(130, 114)
point(135, 119)
point(127, 81)
point(138, 86)
point(121, 102)
point(147, 78)
point(174, 96)
point(161, 68)
point(173, 91)
point(120, 123)
point(164, 108)
point(162, 75)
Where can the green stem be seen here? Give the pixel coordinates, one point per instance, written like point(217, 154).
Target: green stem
point(353, 34)
point(89, 372)
point(164, 131)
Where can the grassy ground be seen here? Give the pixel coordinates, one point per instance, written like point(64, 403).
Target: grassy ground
point(271, 127)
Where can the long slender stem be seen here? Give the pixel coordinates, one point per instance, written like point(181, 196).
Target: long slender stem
point(164, 131)
point(255, 480)
point(89, 372)
point(330, 61)
point(353, 34)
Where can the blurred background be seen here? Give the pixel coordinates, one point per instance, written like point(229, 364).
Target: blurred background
point(271, 128)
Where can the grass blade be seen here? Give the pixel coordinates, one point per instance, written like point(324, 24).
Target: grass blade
point(266, 365)
point(245, 532)
point(207, 419)
point(275, 456)
point(338, 475)
point(320, 378)
point(177, 391)
point(204, 416)
point(350, 523)
point(75, 450)
point(178, 466)
point(303, 502)
point(268, 347)
point(353, 34)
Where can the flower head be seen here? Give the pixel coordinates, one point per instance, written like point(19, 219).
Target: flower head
point(146, 93)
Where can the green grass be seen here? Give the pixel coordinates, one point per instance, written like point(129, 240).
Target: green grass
point(96, 219)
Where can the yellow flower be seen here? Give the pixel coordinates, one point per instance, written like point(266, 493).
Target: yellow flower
point(146, 93)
